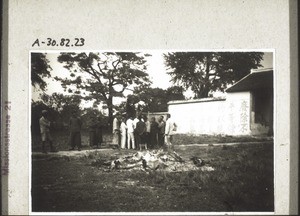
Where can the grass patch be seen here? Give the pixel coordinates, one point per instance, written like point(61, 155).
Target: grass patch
point(61, 140)
point(242, 181)
point(181, 139)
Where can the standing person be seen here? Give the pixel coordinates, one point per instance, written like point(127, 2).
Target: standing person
point(130, 133)
point(140, 132)
point(161, 131)
point(148, 129)
point(123, 129)
point(93, 132)
point(75, 131)
point(135, 121)
point(45, 132)
point(116, 130)
point(153, 132)
point(99, 132)
point(169, 131)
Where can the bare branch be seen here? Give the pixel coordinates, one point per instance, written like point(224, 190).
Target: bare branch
point(118, 61)
point(94, 73)
point(101, 71)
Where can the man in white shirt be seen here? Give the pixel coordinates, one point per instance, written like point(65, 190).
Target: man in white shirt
point(116, 129)
point(148, 128)
point(135, 121)
point(169, 131)
point(123, 129)
point(130, 135)
point(45, 131)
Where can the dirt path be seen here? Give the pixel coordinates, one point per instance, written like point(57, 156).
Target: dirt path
point(86, 152)
point(227, 144)
point(73, 153)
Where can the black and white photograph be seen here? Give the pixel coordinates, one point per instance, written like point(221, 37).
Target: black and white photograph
point(149, 107)
point(151, 131)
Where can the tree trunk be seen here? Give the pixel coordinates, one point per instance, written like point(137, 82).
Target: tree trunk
point(205, 88)
point(110, 111)
point(202, 92)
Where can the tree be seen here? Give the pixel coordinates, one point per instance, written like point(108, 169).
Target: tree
point(103, 76)
point(156, 99)
point(91, 114)
point(40, 69)
point(64, 105)
point(175, 93)
point(210, 71)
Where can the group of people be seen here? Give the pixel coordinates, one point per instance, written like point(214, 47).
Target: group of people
point(132, 133)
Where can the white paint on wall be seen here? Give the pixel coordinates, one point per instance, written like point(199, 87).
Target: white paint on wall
point(230, 116)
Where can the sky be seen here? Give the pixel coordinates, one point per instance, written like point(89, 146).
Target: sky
point(155, 68)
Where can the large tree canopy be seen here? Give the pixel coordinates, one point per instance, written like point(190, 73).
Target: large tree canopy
point(210, 71)
point(103, 76)
point(156, 99)
point(64, 104)
point(39, 69)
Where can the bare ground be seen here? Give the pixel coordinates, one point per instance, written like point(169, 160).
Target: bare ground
point(242, 181)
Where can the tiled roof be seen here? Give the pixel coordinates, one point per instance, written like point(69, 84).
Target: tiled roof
point(258, 79)
point(211, 99)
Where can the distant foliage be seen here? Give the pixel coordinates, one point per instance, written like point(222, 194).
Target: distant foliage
point(203, 72)
point(63, 104)
point(40, 69)
point(60, 108)
point(156, 99)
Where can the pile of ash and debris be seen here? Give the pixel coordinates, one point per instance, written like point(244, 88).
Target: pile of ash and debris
point(156, 159)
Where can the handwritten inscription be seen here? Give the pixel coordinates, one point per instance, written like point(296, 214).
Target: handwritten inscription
point(63, 42)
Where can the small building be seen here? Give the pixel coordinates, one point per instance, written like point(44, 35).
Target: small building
point(247, 109)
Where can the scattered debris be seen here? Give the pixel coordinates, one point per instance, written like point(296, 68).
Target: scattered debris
point(152, 160)
point(198, 161)
point(128, 183)
point(207, 169)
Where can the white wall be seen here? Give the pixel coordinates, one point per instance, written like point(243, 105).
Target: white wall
point(230, 116)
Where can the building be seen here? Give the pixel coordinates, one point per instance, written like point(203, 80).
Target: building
point(247, 109)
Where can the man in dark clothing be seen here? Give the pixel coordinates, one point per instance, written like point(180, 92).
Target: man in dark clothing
point(161, 131)
point(153, 132)
point(99, 132)
point(140, 132)
point(93, 132)
point(75, 134)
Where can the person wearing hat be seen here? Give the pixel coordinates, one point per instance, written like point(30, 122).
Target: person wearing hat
point(45, 131)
